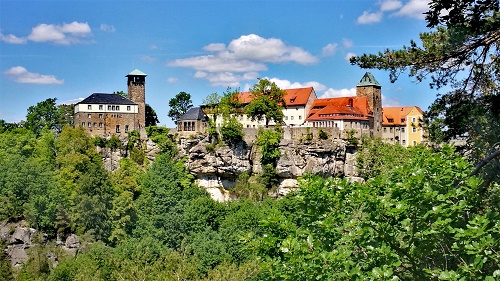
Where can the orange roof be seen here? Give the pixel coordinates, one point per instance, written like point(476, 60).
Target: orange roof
point(353, 108)
point(397, 114)
point(297, 96)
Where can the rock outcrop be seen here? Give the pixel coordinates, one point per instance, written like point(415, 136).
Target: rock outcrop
point(216, 169)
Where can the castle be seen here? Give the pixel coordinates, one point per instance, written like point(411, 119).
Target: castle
point(103, 114)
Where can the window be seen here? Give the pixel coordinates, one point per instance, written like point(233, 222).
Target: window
point(300, 117)
point(83, 124)
point(413, 120)
point(286, 117)
point(100, 116)
point(89, 124)
point(109, 107)
point(390, 120)
point(100, 107)
point(113, 107)
point(128, 107)
point(126, 128)
point(117, 107)
point(117, 128)
point(89, 116)
point(95, 124)
point(414, 129)
point(291, 117)
point(404, 142)
point(403, 120)
point(89, 107)
point(385, 130)
point(100, 125)
point(414, 142)
point(402, 129)
point(390, 130)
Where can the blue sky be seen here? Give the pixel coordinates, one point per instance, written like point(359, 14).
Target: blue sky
point(71, 49)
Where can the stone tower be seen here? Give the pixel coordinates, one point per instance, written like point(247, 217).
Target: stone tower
point(137, 93)
point(369, 87)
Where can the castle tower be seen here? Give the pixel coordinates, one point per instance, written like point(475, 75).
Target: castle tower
point(369, 87)
point(137, 93)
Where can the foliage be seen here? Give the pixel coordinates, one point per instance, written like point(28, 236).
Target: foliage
point(462, 51)
point(43, 115)
point(151, 117)
point(248, 187)
point(213, 135)
point(179, 105)
point(376, 157)
point(268, 142)
point(162, 139)
point(423, 220)
point(322, 135)
point(267, 102)
point(231, 131)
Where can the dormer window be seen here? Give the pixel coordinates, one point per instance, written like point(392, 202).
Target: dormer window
point(292, 100)
point(390, 120)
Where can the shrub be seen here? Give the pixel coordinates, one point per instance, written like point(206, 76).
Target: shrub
point(232, 131)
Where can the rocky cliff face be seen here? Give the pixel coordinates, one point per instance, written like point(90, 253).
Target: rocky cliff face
point(218, 170)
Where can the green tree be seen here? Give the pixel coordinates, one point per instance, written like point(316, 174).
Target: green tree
point(232, 131)
point(268, 141)
point(151, 117)
point(44, 114)
point(179, 105)
point(462, 51)
point(267, 102)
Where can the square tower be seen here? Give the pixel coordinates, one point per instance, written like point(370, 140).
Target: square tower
point(136, 83)
point(369, 87)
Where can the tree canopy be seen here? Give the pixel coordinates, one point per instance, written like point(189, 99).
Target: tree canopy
point(267, 102)
point(179, 105)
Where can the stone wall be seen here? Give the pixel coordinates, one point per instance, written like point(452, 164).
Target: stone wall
point(104, 124)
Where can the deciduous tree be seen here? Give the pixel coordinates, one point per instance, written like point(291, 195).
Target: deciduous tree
point(267, 102)
point(179, 105)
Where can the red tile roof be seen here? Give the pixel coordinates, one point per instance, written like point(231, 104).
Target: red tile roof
point(293, 97)
point(397, 114)
point(353, 108)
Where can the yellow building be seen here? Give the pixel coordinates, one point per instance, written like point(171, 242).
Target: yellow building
point(402, 125)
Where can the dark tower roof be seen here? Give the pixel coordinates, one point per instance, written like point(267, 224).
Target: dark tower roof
point(194, 113)
point(368, 80)
point(101, 98)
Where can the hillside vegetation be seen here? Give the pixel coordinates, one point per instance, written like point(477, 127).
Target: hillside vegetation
point(419, 216)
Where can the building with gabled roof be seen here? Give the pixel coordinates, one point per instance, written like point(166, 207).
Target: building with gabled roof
point(103, 114)
point(345, 113)
point(194, 120)
point(402, 125)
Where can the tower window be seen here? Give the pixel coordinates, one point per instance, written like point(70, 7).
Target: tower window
point(100, 125)
point(89, 116)
point(89, 124)
point(126, 128)
point(117, 128)
point(100, 116)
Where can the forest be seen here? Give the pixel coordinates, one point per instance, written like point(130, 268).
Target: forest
point(428, 212)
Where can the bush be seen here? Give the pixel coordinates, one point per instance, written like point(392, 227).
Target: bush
point(232, 131)
point(322, 135)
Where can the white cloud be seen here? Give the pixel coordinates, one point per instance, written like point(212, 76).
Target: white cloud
point(213, 63)
point(65, 34)
point(148, 59)
point(107, 28)
point(367, 18)
point(73, 101)
point(172, 79)
point(414, 9)
point(390, 5)
point(334, 93)
point(347, 43)
point(242, 58)
point(349, 55)
point(286, 84)
point(22, 75)
point(12, 39)
point(329, 50)
point(388, 102)
point(254, 47)
point(215, 47)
